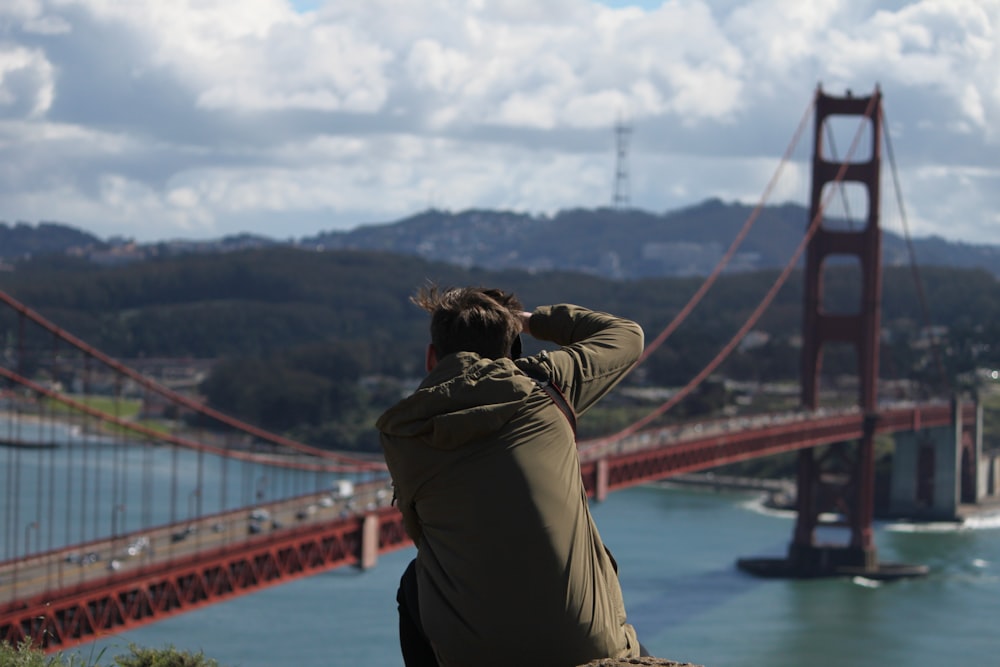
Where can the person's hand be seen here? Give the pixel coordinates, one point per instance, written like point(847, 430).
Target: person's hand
point(525, 319)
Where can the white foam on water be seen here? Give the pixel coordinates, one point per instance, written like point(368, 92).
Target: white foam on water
point(983, 522)
point(757, 505)
point(925, 527)
point(865, 582)
point(989, 521)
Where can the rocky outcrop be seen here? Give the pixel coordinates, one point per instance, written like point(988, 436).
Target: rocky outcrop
point(648, 661)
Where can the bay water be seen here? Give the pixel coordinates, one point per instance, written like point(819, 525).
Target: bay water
point(676, 550)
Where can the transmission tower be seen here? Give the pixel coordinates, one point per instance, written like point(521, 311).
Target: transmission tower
point(620, 199)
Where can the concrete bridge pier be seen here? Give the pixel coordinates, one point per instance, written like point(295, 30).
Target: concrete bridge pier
point(935, 471)
point(369, 542)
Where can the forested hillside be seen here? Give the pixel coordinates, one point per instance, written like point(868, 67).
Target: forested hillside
point(296, 331)
point(23, 240)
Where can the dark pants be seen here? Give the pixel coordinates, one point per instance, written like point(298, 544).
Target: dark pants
point(417, 651)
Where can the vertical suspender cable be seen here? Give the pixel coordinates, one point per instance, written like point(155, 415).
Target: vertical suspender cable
point(200, 485)
point(51, 518)
point(174, 473)
point(68, 491)
point(118, 506)
point(147, 452)
point(51, 506)
point(918, 282)
point(44, 425)
point(14, 525)
point(10, 486)
point(224, 475)
point(13, 498)
point(85, 454)
point(148, 483)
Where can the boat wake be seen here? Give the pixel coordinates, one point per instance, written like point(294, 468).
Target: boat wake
point(981, 522)
point(986, 521)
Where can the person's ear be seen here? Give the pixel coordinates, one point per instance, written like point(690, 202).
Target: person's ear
point(432, 358)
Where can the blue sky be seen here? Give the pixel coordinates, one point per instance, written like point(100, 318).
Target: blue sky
point(203, 118)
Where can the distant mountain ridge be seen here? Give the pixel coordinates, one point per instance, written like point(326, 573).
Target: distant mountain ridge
point(619, 244)
point(627, 244)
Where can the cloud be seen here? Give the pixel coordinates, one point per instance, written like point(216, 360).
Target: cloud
point(26, 83)
point(200, 118)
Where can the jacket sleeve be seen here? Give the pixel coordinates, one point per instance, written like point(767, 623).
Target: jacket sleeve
point(411, 524)
point(596, 350)
point(402, 499)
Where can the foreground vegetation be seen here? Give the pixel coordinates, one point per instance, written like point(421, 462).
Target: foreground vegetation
point(26, 656)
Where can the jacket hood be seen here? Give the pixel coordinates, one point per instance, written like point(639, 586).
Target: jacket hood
point(464, 398)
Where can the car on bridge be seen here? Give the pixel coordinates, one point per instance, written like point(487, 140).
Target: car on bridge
point(183, 534)
point(137, 546)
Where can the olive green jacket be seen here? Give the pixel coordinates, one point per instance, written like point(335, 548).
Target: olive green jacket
point(510, 566)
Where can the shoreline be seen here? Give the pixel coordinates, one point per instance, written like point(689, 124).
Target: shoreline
point(11, 423)
point(779, 495)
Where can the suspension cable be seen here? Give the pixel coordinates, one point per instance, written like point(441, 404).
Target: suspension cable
point(724, 261)
point(814, 225)
point(172, 395)
point(179, 441)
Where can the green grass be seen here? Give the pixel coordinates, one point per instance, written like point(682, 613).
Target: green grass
point(123, 408)
point(126, 409)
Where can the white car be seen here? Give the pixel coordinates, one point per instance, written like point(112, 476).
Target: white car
point(138, 545)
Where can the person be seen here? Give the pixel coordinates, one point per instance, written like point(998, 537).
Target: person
point(510, 567)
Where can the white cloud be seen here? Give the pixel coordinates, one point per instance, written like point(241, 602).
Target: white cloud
point(208, 117)
point(26, 82)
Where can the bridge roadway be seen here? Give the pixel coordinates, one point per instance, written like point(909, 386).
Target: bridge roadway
point(97, 561)
point(657, 453)
point(62, 604)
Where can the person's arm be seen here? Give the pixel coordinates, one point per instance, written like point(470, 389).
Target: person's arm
point(596, 349)
point(410, 521)
point(402, 492)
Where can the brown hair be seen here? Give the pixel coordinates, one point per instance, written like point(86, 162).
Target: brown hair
point(471, 319)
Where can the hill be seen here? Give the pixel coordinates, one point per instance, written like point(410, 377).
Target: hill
point(627, 244)
point(264, 301)
point(616, 244)
point(23, 240)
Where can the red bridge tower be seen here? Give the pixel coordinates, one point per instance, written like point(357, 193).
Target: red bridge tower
point(843, 476)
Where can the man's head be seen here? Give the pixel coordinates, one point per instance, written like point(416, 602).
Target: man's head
point(471, 319)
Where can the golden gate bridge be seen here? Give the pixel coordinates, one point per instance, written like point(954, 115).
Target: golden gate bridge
point(112, 521)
